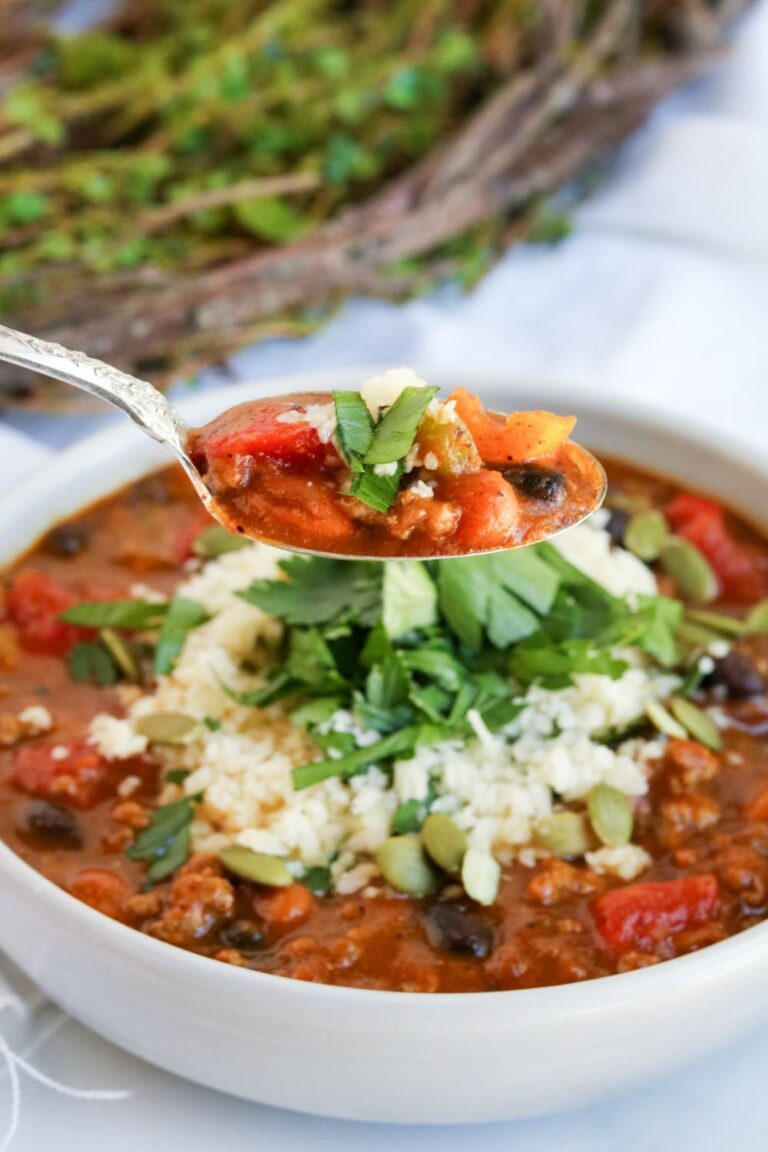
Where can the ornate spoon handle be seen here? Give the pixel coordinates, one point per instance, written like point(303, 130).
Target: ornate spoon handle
point(137, 398)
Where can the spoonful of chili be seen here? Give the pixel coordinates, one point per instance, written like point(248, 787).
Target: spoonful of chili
point(391, 471)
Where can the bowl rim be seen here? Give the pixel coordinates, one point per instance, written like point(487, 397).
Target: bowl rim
point(680, 974)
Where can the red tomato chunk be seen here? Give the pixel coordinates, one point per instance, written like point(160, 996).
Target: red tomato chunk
point(77, 777)
point(642, 915)
point(35, 603)
point(740, 567)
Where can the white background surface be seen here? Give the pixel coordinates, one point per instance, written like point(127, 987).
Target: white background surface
point(662, 294)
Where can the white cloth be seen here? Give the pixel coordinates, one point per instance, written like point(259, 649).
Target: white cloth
point(661, 293)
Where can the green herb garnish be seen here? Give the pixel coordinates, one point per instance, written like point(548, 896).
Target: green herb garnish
point(354, 427)
point(129, 615)
point(181, 617)
point(166, 840)
point(92, 660)
point(396, 431)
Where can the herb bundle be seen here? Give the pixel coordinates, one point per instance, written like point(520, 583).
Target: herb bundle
point(185, 179)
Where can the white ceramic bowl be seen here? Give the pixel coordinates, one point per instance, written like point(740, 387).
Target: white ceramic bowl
point(357, 1054)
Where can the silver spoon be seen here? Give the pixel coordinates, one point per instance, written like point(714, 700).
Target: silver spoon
point(155, 415)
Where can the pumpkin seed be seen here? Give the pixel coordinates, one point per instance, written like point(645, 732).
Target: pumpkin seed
point(610, 814)
point(698, 723)
point(404, 865)
point(256, 866)
point(664, 721)
point(165, 727)
point(646, 534)
point(216, 540)
point(480, 875)
point(563, 833)
point(444, 841)
point(121, 654)
point(730, 625)
point(757, 621)
point(690, 571)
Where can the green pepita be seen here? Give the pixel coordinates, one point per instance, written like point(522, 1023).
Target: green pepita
point(444, 841)
point(216, 540)
point(480, 875)
point(121, 654)
point(256, 866)
point(563, 833)
point(757, 621)
point(165, 727)
point(664, 721)
point(690, 571)
point(646, 534)
point(730, 625)
point(405, 866)
point(697, 723)
point(610, 814)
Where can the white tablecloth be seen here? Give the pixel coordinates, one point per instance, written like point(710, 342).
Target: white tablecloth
point(661, 293)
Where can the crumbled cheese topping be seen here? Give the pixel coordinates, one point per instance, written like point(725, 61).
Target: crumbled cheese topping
point(385, 469)
point(422, 489)
point(35, 719)
point(321, 417)
point(626, 862)
point(380, 392)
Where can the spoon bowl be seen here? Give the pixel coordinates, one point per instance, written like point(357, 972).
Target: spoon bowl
point(157, 418)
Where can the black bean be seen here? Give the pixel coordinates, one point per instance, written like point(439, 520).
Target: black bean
point(616, 526)
point(538, 483)
point(243, 934)
point(454, 928)
point(58, 825)
point(738, 674)
point(68, 540)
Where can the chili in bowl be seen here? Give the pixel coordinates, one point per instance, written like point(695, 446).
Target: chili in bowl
point(616, 823)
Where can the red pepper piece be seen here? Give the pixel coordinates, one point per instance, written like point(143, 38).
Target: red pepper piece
point(643, 915)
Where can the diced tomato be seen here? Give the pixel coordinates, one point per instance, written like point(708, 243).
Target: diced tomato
point(489, 509)
point(78, 777)
point(283, 906)
point(35, 602)
point(185, 538)
point(643, 915)
point(255, 429)
point(686, 506)
point(740, 567)
point(514, 438)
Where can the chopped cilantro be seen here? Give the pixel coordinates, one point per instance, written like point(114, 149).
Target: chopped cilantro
point(131, 615)
point(409, 598)
point(166, 840)
point(320, 591)
point(92, 660)
point(181, 617)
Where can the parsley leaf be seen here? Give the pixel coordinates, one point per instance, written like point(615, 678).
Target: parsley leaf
point(477, 597)
point(91, 660)
point(181, 617)
point(166, 840)
point(130, 615)
point(409, 598)
point(396, 431)
point(320, 591)
point(354, 427)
